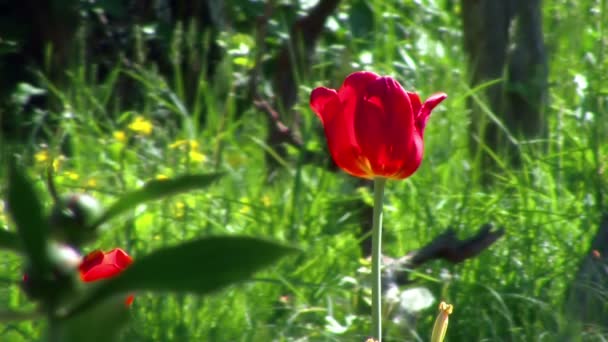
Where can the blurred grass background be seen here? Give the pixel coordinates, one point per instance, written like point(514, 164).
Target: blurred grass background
point(107, 136)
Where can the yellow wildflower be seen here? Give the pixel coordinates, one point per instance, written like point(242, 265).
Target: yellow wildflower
point(441, 322)
point(197, 157)
point(57, 163)
point(266, 200)
point(161, 176)
point(179, 209)
point(71, 175)
point(191, 143)
point(191, 146)
point(2, 215)
point(120, 136)
point(92, 182)
point(141, 125)
point(42, 156)
point(245, 209)
point(177, 143)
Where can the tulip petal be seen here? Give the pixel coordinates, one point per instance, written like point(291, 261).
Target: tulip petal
point(425, 111)
point(384, 127)
point(102, 271)
point(355, 85)
point(119, 258)
point(414, 158)
point(352, 91)
point(338, 130)
point(99, 265)
point(91, 260)
point(319, 98)
point(415, 101)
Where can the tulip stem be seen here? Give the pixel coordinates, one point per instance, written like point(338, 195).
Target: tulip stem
point(377, 258)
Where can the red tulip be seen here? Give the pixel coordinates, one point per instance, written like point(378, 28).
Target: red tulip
point(98, 265)
point(374, 128)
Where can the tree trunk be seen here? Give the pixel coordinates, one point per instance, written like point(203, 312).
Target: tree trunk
point(44, 31)
point(292, 60)
point(586, 297)
point(503, 40)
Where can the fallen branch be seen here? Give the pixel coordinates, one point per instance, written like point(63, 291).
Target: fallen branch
point(279, 132)
point(446, 247)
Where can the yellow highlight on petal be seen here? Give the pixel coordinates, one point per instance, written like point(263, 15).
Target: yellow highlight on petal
point(441, 322)
point(141, 125)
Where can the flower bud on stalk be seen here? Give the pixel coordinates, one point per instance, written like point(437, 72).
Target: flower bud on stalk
point(72, 218)
point(374, 130)
point(99, 265)
point(441, 322)
point(104, 320)
point(63, 278)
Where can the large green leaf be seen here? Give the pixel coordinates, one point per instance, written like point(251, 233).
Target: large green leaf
point(9, 240)
point(197, 266)
point(154, 190)
point(102, 322)
point(26, 210)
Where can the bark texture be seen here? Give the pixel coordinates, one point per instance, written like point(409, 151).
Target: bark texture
point(504, 40)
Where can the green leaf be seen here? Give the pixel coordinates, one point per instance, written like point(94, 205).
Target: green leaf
point(9, 240)
point(26, 210)
point(198, 266)
point(102, 322)
point(154, 190)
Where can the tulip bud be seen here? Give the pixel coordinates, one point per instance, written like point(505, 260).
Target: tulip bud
point(72, 219)
point(105, 320)
point(441, 322)
point(99, 265)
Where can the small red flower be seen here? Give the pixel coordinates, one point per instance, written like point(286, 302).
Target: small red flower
point(99, 265)
point(374, 128)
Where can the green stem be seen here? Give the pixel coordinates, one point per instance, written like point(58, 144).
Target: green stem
point(377, 259)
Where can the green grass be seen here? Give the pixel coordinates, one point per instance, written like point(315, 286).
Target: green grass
point(512, 292)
